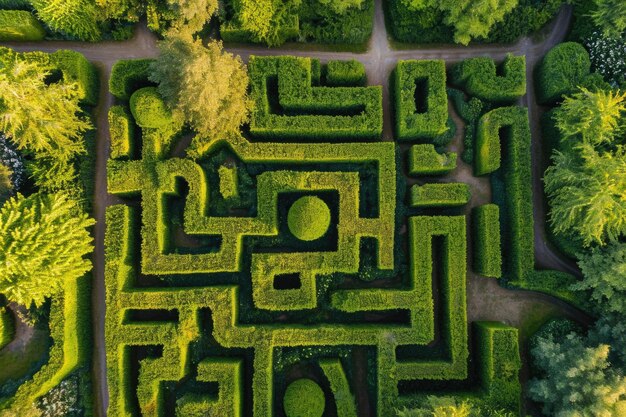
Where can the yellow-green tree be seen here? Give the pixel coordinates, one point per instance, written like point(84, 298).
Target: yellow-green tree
point(191, 15)
point(77, 18)
point(43, 241)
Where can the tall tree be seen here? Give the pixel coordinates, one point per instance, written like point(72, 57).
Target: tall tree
point(207, 85)
point(579, 380)
point(192, 15)
point(43, 241)
point(474, 18)
point(266, 20)
point(77, 18)
point(38, 117)
point(610, 17)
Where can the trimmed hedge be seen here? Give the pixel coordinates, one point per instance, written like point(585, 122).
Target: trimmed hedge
point(488, 148)
point(304, 398)
point(487, 250)
point(340, 387)
point(149, 110)
point(440, 195)
point(308, 218)
point(425, 160)
point(345, 73)
point(20, 25)
point(129, 75)
point(7, 327)
point(479, 77)
point(301, 111)
point(122, 133)
point(430, 120)
point(561, 71)
point(228, 181)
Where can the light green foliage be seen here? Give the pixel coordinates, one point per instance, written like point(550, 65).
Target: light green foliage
point(266, 20)
point(593, 117)
point(149, 110)
point(341, 6)
point(40, 118)
point(440, 195)
point(308, 218)
point(191, 15)
point(487, 246)
point(6, 186)
point(579, 380)
point(228, 181)
point(474, 18)
point(206, 85)
point(424, 160)
point(304, 398)
point(610, 16)
point(604, 272)
point(76, 18)
point(7, 327)
point(563, 68)
point(43, 240)
point(20, 25)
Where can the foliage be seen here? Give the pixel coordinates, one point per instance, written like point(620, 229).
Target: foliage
point(578, 381)
point(266, 20)
point(191, 15)
point(38, 117)
point(206, 85)
point(450, 407)
point(148, 109)
point(474, 19)
point(304, 398)
point(604, 273)
point(20, 25)
point(76, 18)
point(62, 400)
point(6, 185)
point(43, 240)
point(486, 232)
point(561, 71)
point(608, 56)
point(321, 24)
point(479, 77)
point(610, 16)
point(341, 6)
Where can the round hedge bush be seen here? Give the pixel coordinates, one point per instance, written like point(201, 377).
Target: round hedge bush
point(308, 218)
point(149, 109)
point(304, 398)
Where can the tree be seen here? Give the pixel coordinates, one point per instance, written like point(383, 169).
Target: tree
point(6, 185)
point(604, 273)
point(77, 18)
point(37, 117)
point(591, 117)
point(266, 20)
point(207, 85)
point(43, 240)
point(578, 381)
point(192, 15)
point(610, 16)
point(342, 6)
point(474, 18)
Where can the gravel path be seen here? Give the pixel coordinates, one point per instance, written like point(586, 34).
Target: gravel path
point(486, 299)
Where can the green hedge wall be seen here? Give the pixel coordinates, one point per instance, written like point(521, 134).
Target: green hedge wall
point(479, 77)
point(440, 195)
point(20, 25)
point(425, 160)
point(301, 111)
point(129, 75)
point(149, 110)
point(122, 132)
point(345, 73)
point(488, 148)
point(429, 122)
point(561, 71)
point(486, 231)
point(7, 327)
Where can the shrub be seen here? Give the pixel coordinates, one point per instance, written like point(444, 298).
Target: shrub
point(149, 109)
point(77, 69)
point(440, 195)
point(479, 77)
point(129, 75)
point(422, 82)
point(608, 57)
point(75, 18)
point(20, 25)
point(7, 327)
point(424, 160)
point(309, 218)
point(561, 71)
point(122, 132)
point(345, 73)
point(488, 147)
point(487, 251)
point(304, 398)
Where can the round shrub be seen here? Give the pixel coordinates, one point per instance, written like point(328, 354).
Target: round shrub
point(308, 218)
point(304, 398)
point(149, 109)
point(561, 71)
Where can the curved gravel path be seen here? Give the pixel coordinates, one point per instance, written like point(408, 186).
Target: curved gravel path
point(486, 299)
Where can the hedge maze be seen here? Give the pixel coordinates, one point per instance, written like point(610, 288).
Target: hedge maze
point(307, 263)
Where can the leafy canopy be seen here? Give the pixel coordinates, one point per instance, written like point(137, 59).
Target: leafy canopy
point(43, 239)
point(341, 6)
point(40, 118)
point(191, 15)
point(205, 84)
point(579, 380)
point(77, 18)
point(610, 16)
point(266, 19)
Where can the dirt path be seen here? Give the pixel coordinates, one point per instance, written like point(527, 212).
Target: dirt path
point(486, 299)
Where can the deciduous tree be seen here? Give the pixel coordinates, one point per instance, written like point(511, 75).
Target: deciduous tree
point(43, 241)
point(77, 18)
point(266, 19)
point(192, 15)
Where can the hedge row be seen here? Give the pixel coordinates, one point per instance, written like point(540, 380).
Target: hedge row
point(122, 133)
point(340, 387)
point(149, 110)
point(228, 181)
point(425, 160)
point(129, 75)
point(345, 73)
point(20, 25)
point(7, 327)
point(561, 71)
point(423, 82)
point(488, 147)
point(479, 77)
point(440, 195)
point(487, 251)
point(301, 111)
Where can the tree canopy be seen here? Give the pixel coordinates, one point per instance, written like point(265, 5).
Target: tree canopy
point(43, 240)
point(610, 16)
point(206, 85)
point(77, 18)
point(267, 19)
point(342, 6)
point(191, 15)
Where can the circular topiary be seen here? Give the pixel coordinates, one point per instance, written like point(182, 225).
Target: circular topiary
point(149, 109)
point(304, 398)
point(308, 218)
